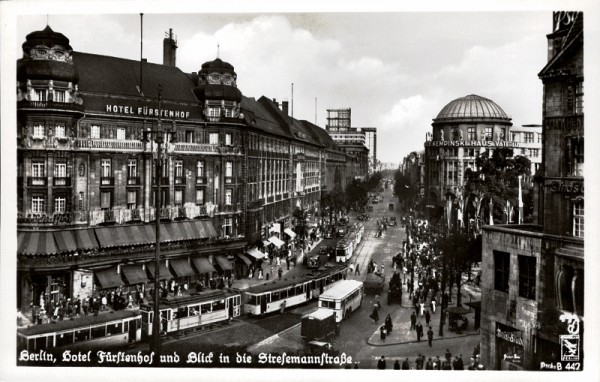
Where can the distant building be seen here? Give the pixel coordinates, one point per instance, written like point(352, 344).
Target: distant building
point(532, 308)
point(371, 143)
point(349, 139)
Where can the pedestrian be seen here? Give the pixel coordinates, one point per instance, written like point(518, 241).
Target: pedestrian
point(421, 309)
point(433, 305)
point(356, 364)
point(357, 270)
point(405, 365)
point(460, 364)
point(413, 321)
point(279, 273)
point(437, 363)
point(397, 365)
point(419, 329)
point(427, 317)
point(430, 336)
point(448, 355)
point(260, 274)
point(382, 332)
point(381, 363)
point(104, 302)
point(351, 268)
point(86, 305)
point(375, 315)
point(419, 362)
point(388, 324)
point(429, 364)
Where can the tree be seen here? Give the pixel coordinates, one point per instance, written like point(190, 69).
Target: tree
point(403, 188)
point(333, 201)
point(496, 177)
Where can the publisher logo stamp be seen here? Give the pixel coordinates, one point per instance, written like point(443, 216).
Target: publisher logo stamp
point(569, 347)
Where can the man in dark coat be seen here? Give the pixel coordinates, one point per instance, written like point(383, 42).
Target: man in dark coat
point(419, 331)
point(375, 315)
point(405, 365)
point(429, 365)
point(448, 355)
point(419, 362)
point(397, 365)
point(381, 363)
point(459, 363)
point(382, 332)
point(430, 336)
point(388, 324)
point(413, 321)
point(427, 317)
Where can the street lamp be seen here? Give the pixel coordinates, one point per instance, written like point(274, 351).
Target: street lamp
point(158, 135)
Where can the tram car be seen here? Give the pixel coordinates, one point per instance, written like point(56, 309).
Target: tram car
point(104, 331)
point(189, 313)
point(343, 251)
point(278, 295)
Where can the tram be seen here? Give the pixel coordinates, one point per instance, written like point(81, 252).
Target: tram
point(281, 294)
point(107, 330)
point(189, 313)
point(343, 251)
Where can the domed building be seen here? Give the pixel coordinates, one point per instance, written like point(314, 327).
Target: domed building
point(463, 129)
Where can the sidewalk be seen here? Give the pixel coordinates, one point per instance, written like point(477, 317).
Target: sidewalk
point(246, 283)
point(401, 332)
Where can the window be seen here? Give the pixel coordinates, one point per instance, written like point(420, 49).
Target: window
point(471, 133)
point(121, 133)
point(229, 169)
point(535, 153)
point(40, 95)
point(577, 155)
point(60, 170)
point(80, 201)
point(114, 328)
point(229, 112)
point(131, 168)
point(227, 139)
point(501, 270)
point(539, 140)
point(95, 132)
point(179, 168)
point(178, 197)
point(59, 204)
point(105, 200)
point(131, 199)
point(514, 137)
point(59, 96)
point(200, 168)
point(214, 111)
point(579, 98)
point(38, 169)
point(227, 227)
point(228, 193)
point(59, 132)
point(213, 138)
point(528, 137)
point(37, 204)
point(199, 197)
point(39, 131)
point(527, 277)
point(106, 168)
point(189, 136)
point(489, 133)
point(578, 219)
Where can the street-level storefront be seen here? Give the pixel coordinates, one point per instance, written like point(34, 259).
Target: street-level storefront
point(510, 348)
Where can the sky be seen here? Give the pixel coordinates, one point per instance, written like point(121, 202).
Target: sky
point(395, 70)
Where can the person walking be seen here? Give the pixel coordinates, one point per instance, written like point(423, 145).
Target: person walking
point(427, 317)
point(433, 305)
point(430, 336)
point(375, 315)
point(421, 309)
point(351, 268)
point(381, 363)
point(382, 332)
point(429, 364)
point(357, 269)
point(413, 321)
point(397, 365)
point(405, 365)
point(419, 329)
point(448, 355)
point(280, 272)
point(388, 324)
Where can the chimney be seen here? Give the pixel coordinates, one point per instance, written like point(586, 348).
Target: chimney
point(284, 107)
point(169, 49)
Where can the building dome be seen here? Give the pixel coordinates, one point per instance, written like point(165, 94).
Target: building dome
point(470, 108)
point(47, 55)
point(217, 82)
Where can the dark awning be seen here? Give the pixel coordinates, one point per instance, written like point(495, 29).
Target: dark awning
point(223, 263)
point(108, 278)
point(36, 243)
point(65, 241)
point(188, 230)
point(244, 259)
point(140, 234)
point(203, 265)
point(134, 274)
point(111, 236)
point(181, 267)
point(86, 238)
point(164, 271)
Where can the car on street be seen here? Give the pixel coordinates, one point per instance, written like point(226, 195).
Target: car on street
point(393, 221)
point(363, 217)
point(329, 234)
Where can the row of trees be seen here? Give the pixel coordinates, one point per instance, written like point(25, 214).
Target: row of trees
point(355, 195)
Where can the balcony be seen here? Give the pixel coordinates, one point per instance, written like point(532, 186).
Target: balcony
point(270, 199)
point(229, 180)
point(107, 181)
point(165, 213)
point(62, 182)
point(201, 180)
point(65, 106)
point(229, 208)
point(109, 144)
point(109, 216)
point(134, 181)
point(196, 148)
point(36, 181)
point(180, 180)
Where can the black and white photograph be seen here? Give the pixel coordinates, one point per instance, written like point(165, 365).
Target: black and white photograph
point(254, 190)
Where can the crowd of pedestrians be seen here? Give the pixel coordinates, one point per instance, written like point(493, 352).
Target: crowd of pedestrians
point(421, 362)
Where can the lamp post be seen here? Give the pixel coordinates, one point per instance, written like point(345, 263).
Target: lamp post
point(158, 134)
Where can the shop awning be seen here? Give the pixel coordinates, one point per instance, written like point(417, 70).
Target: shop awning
point(266, 243)
point(111, 237)
point(203, 265)
point(134, 274)
point(188, 230)
point(86, 238)
point(181, 267)
point(290, 233)
point(256, 253)
point(108, 278)
point(276, 241)
point(36, 243)
point(223, 263)
point(65, 241)
point(140, 234)
point(244, 259)
point(164, 271)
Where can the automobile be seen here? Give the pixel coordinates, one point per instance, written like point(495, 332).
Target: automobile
point(342, 231)
point(393, 221)
point(360, 209)
point(375, 201)
point(363, 217)
point(329, 234)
